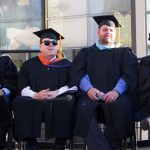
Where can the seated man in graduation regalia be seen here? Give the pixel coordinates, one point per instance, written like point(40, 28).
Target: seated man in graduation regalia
point(106, 74)
point(8, 84)
point(40, 79)
point(143, 92)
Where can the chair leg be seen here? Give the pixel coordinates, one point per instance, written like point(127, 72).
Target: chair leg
point(133, 142)
point(21, 145)
point(10, 140)
point(124, 144)
point(71, 143)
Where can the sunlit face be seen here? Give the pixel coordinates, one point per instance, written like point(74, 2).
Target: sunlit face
point(49, 48)
point(107, 35)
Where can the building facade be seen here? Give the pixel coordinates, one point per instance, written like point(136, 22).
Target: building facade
point(73, 19)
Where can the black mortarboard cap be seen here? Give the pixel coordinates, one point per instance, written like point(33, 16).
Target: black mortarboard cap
point(48, 33)
point(149, 37)
point(109, 20)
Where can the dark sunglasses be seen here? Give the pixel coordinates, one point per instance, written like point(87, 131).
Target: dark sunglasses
point(47, 43)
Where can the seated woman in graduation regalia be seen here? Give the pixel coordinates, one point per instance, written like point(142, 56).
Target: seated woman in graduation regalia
point(39, 80)
point(8, 80)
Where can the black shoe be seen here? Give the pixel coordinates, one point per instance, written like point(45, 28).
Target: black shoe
point(32, 144)
point(59, 147)
point(2, 139)
point(60, 143)
point(115, 144)
point(2, 145)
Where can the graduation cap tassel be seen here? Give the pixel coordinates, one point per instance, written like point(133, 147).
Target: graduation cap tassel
point(60, 48)
point(118, 38)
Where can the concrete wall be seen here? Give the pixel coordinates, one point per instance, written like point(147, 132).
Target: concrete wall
point(138, 27)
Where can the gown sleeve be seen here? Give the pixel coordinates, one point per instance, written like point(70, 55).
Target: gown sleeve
point(9, 75)
point(130, 69)
point(23, 78)
point(78, 69)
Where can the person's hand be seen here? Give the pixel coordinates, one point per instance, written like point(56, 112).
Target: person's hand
point(2, 93)
point(52, 94)
point(111, 96)
point(43, 94)
point(94, 93)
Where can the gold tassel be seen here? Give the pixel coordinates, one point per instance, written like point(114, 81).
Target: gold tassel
point(60, 48)
point(118, 38)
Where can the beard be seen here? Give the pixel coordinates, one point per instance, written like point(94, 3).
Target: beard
point(107, 41)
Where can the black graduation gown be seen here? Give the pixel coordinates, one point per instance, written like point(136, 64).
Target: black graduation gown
point(8, 79)
point(143, 90)
point(8, 74)
point(105, 69)
point(57, 113)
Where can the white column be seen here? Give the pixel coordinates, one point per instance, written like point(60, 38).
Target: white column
point(139, 27)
